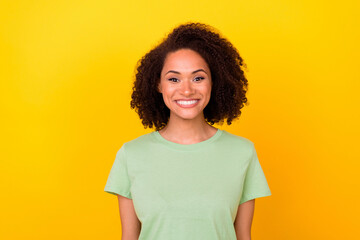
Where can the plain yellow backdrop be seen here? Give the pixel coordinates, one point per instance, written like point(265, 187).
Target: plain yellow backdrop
point(66, 74)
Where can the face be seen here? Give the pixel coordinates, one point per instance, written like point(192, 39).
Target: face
point(185, 84)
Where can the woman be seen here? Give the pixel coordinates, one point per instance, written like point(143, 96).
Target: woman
point(188, 179)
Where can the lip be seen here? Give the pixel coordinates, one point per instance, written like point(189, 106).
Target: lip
point(186, 99)
point(187, 106)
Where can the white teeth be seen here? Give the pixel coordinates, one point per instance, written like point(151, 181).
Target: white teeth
point(186, 102)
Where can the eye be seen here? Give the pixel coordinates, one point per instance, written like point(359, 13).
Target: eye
point(197, 79)
point(173, 79)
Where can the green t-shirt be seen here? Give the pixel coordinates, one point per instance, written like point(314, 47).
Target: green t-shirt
point(187, 191)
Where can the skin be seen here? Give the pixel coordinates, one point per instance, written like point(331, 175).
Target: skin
point(243, 220)
point(185, 76)
point(130, 224)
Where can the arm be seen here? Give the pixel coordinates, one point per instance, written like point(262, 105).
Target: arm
point(244, 219)
point(130, 224)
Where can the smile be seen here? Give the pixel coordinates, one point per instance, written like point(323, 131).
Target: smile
point(187, 103)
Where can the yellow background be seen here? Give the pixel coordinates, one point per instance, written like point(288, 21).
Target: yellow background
point(66, 73)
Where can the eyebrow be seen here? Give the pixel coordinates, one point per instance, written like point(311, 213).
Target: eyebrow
point(199, 70)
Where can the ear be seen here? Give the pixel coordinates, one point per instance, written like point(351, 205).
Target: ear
point(158, 87)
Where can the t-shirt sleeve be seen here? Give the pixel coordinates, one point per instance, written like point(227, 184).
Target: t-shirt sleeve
point(118, 181)
point(255, 184)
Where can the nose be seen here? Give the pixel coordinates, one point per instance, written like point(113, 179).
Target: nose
point(187, 88)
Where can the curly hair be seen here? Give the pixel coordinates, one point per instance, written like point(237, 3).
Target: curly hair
point(229, 84)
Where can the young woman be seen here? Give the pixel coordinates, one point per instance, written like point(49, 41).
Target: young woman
point(188, 179)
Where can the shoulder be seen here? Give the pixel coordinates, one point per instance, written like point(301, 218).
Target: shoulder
point(236, 140)
point(236, 145)
point(138, 143)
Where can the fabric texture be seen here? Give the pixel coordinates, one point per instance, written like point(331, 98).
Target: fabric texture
point(187, 191)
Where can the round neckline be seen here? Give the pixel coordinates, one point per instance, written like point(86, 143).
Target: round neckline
point(193, 146)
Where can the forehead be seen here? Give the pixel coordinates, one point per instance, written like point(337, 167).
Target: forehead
point(184, 60)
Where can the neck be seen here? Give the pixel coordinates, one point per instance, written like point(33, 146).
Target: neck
point(186, 131)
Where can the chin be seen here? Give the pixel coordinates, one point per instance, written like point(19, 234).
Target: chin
point(187, 116)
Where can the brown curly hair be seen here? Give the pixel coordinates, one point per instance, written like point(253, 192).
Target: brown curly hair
point(229, 84)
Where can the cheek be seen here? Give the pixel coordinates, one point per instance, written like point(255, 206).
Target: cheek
point(206, 90)
point(167, 92)
point(167, 98)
